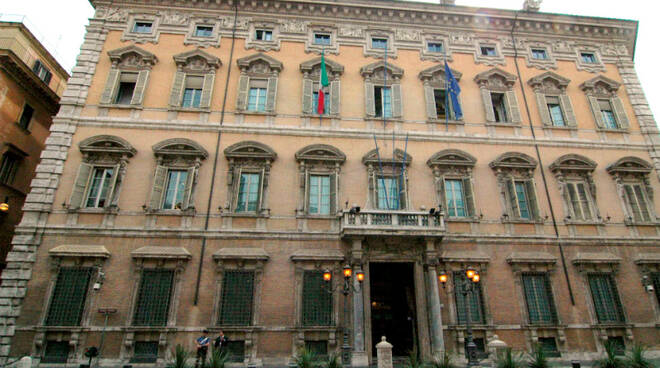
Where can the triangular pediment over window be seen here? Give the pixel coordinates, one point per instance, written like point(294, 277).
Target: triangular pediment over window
point(258, 62)
point(438, 72)
point(332, 66)
point(496, 76)
point(132, 56)
point(197, 59)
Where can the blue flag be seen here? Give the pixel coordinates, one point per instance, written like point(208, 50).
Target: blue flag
point(454, 90)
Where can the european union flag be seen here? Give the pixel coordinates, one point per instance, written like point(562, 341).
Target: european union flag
point(454, 90)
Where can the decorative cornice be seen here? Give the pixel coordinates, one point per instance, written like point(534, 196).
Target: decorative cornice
point(180, 147)
point(106, 144)
point(573, 162)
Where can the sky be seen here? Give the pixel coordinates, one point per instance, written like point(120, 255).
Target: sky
point(60, 25)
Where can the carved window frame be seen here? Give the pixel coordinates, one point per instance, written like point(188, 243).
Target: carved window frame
point(253, 157)
point(194, 63)
point(425, 54)
point(511, 167)
point(251, 41)
point(258, 66)
point(498, 81)
point(597, 67)
point(391, 168)
point(201, 41)
point(369, 50)
point(550, 84)
point(374, 76)
point(175, 154)
point(455, 164)
point(574, 168)
point(320, 159)
point(320, 28)
point(544, 64)
point(130, 59)
point(138, 37)
point(497, 59)
point(100, 151)
point(648, 264)
point(434, 78)
point(311, 70)
point(634, 171)
point(603, 88)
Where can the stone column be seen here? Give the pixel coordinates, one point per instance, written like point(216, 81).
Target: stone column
point(435, 314)
point(359, 355)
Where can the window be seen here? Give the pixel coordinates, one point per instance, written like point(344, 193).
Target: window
point(142, 27)
point(237, 295)
point(538, 296)
point(318, 348)
point(145, 352)
point(655, 278)
point(126, 88)
point(488, 51)
point(316, 300)
point(203, 31)
point(69, 294)
point(607, 107)
point(128, 76)
point(455, 196)
point(257, 96)
point(315, 103)
point(99, 187)
point(192, 93)
point(440, 98)
point(636, 197)
point(605, 298)
point(235, 351)
point(8, 168)
point(618, 344)
point(549, 346)
point(263, 35)
point(248, 192)
point(175, 189)
point(554, 107)
point(522, 198)
point(474, 298)
point(56, 352)
point(435, 47)
point(607, 114)
point(539, 54)
point(192, 87)
point(499, 107)
point(388, 193)
point(383, 101)
point(41, 71)
point(153, 299)
point(26, 117)
point(379, 43)
point(319, 194)
point(321, 39)
point(580, 203)
point(588, 58)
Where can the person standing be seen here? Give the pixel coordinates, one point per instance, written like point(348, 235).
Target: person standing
point(220, 342)
point(202, 343)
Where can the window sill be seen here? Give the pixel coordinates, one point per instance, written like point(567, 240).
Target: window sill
point(317, 328)
point(327, 116)
point(380, 118)
point(553, 127)
point(121, 107)
point(521, 221)
point(613, 130)
point(442, 121)
point(477, 326)
point(629, 222)
point(462, 219)
point(503, 124)
point(245, 215)
point(188, 109)
point(256, 113)
point(42, 328)
point(545, 326)
point(583, 222)
point(149, 329)
point(233, 328)
point(97, 210)
point(162, 212)
point(317, 217)
point(611, 325)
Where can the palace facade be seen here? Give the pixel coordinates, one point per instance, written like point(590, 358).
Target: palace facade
point(190, 183)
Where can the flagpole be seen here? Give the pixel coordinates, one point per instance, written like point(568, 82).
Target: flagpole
point(444, 49)
point(321, 87)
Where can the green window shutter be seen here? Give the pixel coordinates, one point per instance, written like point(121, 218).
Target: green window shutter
point(606, 298)
point(544, 113)
point(369, 105)
point(643, 204)
point(431, 113)
point(111, 85)
point(538, 296)
point(237, 298)
point(158, 187)
point(512, 107)
point(629, 193)
point(567, 108)
point(177, 89)
point(271, 94)
point(153, 300)
point(307, 96)
point(512, 199)
point(475, 298)
point(335, 97)
point(533, 201)
point(333, 194)
point(80, 185)
point(68, 300)
point(397, 101)
point(243, 85)
point(112, 198)
point(620, 112)
point(188, 201)
point(595, 109)
point(207, 91)
point(469, 197)
point(488, 105)
point(316, 300)
point(140, 86)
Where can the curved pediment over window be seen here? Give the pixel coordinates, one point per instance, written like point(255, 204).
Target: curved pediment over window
point(313, 65)
point(549, 82)
point(495, 77)
point(573, 162)
point(132, 56)
point(250, 150)
point(180, 147)
point(320, 152)
point(106, 144)
point(630, 164)
point(600, 85)
point(372, 158)
point(437, 73)
point(451, 157)
point(378, 69)
point(514, 160)
point(197, 60)
point(259, 63)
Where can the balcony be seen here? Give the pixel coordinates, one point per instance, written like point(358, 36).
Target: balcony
point(392, 223)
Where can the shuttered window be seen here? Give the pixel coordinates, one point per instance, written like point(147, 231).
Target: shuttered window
point(538, 296)
point(316, 300)
point(68, 300)
point(637, 201)
point(99, 187)
point(556, 113)
point(319, 194)
point(606, 298)
point(237, 297)
point(175, 189)
point(383, 101)
point(499, 107)
point(26, 117)
point(388, 193)
point(475, 298)
point(8, 168)
point(579, 197)
point(248, 192)
point(607, 114)
point(153, 300)
point(41, 71)
point(455, 198)
point(523, 200)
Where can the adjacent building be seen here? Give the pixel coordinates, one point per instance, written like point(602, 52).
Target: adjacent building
point(190, 183)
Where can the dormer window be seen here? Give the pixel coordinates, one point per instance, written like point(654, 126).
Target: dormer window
point(41, 71)
point(379, 43)
point(263, 35)
point(203, 31)
point(588, 58)
point(539, 54)
point(488, 51)
point(142, 27)
point(321, 39)
point(435, 47)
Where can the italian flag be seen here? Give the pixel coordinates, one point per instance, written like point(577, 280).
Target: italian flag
point(323, 82)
